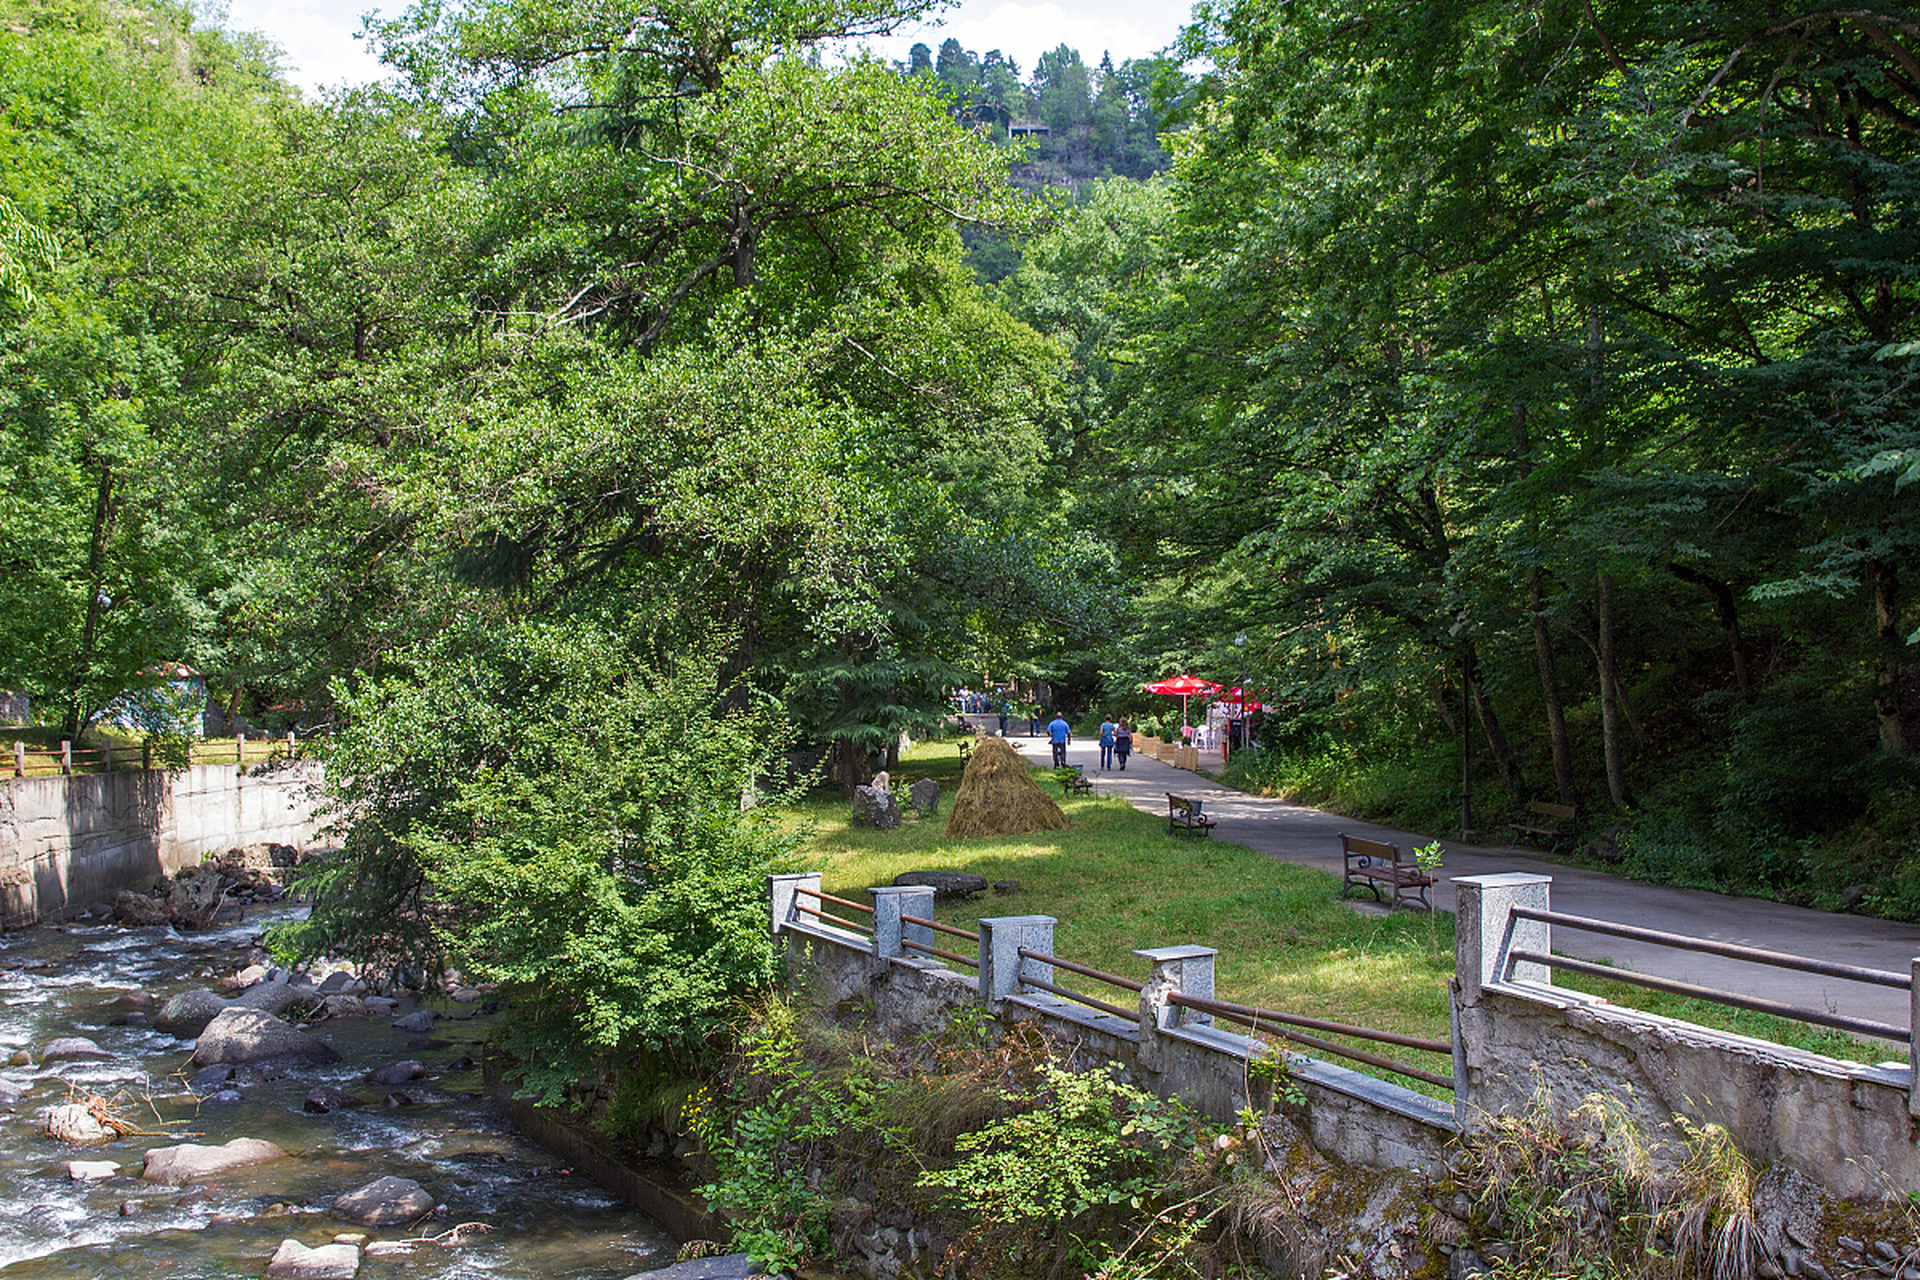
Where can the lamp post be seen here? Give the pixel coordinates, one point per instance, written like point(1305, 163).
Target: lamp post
point(1240, 648)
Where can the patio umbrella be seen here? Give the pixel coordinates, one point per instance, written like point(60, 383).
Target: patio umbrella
point(1182, 687)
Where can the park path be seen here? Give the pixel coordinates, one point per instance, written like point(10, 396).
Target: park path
point(1310, 837)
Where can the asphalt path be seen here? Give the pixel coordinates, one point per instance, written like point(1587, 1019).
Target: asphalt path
point(1310, 837)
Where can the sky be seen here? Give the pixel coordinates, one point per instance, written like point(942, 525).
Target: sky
point(321, 51)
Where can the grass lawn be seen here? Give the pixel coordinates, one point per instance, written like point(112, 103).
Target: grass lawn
point(1116, 881)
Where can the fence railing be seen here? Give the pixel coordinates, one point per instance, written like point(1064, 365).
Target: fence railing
point(820, 913)
point(1099, 975)
point(1775, 959)
point(42, 762)
point(926, 948)
point(1286, 1026)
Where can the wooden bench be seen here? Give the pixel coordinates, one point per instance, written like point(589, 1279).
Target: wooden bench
point(966, 749)
point(1371, 864)
point(1184, 814)
point(1557, 824)
point(1072, 784)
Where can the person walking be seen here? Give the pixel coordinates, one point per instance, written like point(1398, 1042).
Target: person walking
point(1123, 744)
point(1060, 733)
point(1107, 731)
point(1006, 713)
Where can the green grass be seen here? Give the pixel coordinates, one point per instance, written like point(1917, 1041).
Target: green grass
point(1116, 881)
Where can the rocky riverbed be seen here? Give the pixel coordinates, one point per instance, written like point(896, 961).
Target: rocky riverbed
point(172, 1104)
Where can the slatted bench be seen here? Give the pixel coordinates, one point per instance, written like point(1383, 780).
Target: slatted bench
point(1557, 824)
point(1184, 814)
point(1373, 864)
point(1072, 784)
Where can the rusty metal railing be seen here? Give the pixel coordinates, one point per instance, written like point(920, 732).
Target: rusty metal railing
point(1283, 1024)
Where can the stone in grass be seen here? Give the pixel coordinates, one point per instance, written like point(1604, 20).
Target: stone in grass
point(945, 884)
point(385, 1202)
point(295, 1261)
point(190, 1162)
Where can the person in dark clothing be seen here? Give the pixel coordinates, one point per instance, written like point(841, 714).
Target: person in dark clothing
point(1123, 743)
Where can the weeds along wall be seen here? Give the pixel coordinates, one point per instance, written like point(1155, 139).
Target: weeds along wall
point(1518, 1042)
point(68, 841)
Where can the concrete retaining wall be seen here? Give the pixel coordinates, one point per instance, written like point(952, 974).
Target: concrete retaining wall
point(1518, 1041)
point(68, 841)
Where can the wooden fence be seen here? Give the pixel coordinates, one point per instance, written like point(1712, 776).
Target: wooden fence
point(39, 762)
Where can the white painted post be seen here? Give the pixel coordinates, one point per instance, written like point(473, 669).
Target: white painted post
point(1485, 930)
point(240, 748)
point(1002, 968)
point(783, 892)
point(890, 932)
point(19, 759)
point(66, 756)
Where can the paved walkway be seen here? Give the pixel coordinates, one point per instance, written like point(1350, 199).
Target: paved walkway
point(1310, 837)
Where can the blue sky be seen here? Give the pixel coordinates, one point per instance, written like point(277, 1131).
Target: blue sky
point(318, 35)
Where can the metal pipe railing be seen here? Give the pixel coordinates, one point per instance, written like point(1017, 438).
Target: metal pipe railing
point(1260, 1020)
point(1100, 975)
point(801, 908)
point(1819, 1017)
point(1733, 951)
point(936, 951)
point(937, 927)
point(1131, 1015)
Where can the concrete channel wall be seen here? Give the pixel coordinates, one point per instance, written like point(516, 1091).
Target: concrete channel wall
point(1518, 1043)
point(68, 841)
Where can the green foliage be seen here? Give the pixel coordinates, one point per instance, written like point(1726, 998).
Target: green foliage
point(1090, 1143)
point(557, 809)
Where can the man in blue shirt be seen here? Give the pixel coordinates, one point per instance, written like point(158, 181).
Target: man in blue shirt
point(1061, 734)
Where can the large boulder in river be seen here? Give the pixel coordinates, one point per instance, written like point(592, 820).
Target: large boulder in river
point(385, 1202)
point(250, 1035)
point(138, 910)
point(73, 1122)
point(187, 1014)
point(295, 1261)
point(189, 1162)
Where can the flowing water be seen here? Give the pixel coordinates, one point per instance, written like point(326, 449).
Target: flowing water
point(544, 1222)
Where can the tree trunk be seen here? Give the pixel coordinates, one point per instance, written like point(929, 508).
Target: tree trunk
point(1889, 667)
point(1609, 699)
point(1563, 782)
point(80, 680)
point(1490, 723)
point(1728, 613)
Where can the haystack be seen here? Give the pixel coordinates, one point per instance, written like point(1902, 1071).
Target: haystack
point(999, 797)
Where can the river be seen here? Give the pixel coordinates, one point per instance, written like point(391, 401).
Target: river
point(543, 1223)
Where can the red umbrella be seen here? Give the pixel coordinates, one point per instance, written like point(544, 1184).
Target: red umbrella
point(1182, 687)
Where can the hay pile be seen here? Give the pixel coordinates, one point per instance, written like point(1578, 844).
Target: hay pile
point(999, 797)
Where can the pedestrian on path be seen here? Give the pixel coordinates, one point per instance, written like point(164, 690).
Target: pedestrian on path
point(1123, 744)
point(1060, 733)
point(1107, 731)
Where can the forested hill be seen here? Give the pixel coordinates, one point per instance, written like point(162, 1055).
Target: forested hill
point(1079, 123)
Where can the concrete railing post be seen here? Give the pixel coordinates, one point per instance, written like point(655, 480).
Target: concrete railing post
point(782, 892)
point(890, 932)
point(1002, 969)
point(1185, 970)
point(19, 759)
point(1485, 930)
point(1913, 1045)
point(66, 756)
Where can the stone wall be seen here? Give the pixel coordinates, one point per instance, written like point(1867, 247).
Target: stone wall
point(68, 841)
point(1518, 1041)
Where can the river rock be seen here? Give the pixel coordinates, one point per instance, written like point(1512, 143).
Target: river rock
point(398, 1072)
point(945, 884)
point(344, 1007)
point(926, 796)
point(875, 807)
point(250, 975)
point(327, 1098)
point(187, 1014)
point(341, 983)
point(10, 1096)
point(73, 1049)
point(728, 1266)
point(385, 1202)
point(91, 1170)
point(417, 1021)
point(294, 1261)
point(72, 1122)
point(189, 1162)
point(137, 910)
point(250, 1035)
